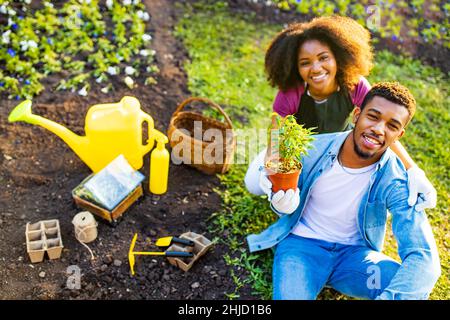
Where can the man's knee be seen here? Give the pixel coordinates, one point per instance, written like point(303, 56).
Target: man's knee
point(380, 276)
point(294, 282)
point(295, 278)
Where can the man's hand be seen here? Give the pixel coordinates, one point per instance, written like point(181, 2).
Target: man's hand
point(264, 183)
point(418, 184)
point(286, 202)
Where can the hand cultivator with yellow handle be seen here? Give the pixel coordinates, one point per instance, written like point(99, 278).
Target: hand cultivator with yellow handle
point(162, 242)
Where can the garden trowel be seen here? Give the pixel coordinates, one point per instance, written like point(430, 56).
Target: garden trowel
point(132, 254)
point(168, 241)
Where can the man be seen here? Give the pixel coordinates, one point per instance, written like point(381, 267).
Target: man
point(331, 230)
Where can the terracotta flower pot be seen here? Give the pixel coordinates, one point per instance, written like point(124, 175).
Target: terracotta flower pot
point(283, 181)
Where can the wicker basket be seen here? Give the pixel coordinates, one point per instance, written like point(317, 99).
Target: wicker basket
point(181, 131)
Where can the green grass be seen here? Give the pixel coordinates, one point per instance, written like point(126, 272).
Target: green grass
point(227, 59)
point(223, 50)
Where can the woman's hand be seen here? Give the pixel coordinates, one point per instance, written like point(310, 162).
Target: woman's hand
point(420, 186)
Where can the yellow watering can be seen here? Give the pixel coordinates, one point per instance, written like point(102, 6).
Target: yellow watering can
point(111, 129)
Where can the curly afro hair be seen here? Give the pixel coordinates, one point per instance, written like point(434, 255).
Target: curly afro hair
point(347, 39)
point(394, 92)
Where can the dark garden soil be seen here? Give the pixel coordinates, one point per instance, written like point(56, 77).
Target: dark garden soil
point(38, 172)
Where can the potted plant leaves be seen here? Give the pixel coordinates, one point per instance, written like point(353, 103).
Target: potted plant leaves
point(288, 143)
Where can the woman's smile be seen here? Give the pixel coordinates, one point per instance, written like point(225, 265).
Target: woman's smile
point(320, 78)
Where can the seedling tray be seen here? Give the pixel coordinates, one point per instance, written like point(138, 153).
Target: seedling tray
point(43, 236)
point(201, 245)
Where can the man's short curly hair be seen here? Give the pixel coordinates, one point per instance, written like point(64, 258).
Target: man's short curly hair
point(347, 39)
point(394, 92)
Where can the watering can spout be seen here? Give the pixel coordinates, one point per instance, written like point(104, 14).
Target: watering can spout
point(22, 112)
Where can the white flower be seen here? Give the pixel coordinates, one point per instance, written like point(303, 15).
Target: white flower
point(5, 36)
point(3, 9)
point(105, 89)
point(109, 3)
point(112, 71)
point(146, 37)
point(32, 44)
point(135, 2)
point(83, 92)
point(100, 78)
point(23, 45)
point(130, 70)
point(27, 1)
point(11, 12)
point(126, 2)
point(26, 44)
point(48, 4)
point(144, 52)
point(129, 82)
point(10, 22)
point(143, 15)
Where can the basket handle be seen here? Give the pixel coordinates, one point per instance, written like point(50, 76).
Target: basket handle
point(207, 101)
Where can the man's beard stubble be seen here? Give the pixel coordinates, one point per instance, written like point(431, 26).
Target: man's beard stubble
point(358, 151)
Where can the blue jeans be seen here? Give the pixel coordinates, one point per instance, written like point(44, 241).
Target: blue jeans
point(302, 267)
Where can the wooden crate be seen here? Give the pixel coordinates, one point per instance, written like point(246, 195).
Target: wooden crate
point(113, 215)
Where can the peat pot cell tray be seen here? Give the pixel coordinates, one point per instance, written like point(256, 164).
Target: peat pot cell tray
point(43, 236)
point(201, 245)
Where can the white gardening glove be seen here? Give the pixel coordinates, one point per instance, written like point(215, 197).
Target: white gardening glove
point(264, 183)
point(286, 202)
point(419, 185)
point(251, 178)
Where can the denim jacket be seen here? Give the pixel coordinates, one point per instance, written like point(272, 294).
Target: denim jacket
point(388, 190)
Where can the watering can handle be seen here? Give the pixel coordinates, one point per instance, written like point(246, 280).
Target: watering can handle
point(207, 101)
point(151, 124)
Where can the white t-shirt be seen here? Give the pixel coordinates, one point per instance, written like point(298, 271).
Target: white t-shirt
point(331, 212)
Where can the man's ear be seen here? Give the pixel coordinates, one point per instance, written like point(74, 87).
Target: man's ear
point(356, 113)
point(401, 134)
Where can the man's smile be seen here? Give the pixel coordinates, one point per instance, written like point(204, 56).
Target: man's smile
point(370, 141)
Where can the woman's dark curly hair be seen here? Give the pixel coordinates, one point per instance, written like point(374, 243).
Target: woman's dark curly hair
point(347, 39)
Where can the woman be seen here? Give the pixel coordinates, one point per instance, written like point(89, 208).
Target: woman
point(319, 68)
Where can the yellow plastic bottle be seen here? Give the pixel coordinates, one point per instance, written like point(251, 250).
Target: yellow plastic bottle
point(159, 168)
